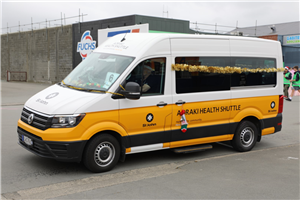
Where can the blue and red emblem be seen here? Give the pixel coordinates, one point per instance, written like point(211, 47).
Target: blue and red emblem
point(86, 45)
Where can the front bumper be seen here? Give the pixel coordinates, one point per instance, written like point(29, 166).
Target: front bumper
point(61, 151)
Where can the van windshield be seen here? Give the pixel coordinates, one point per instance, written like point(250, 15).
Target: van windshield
point(98, 71)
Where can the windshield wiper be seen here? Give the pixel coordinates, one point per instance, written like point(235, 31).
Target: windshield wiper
point(63, 84)
point(90, 90)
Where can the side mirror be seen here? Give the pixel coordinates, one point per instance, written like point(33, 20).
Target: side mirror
point(132, 91)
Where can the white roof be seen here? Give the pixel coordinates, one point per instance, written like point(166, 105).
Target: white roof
point(135, 44)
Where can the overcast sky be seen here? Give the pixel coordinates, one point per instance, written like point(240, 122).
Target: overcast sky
point(232, 13)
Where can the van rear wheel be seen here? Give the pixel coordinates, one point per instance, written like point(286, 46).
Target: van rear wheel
point(245, 137)
point(102, 153)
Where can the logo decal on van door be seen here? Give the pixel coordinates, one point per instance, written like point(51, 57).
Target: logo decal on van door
point(272, 104)
point(149, 117)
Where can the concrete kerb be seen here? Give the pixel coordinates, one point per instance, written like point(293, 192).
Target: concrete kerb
point(3, 198)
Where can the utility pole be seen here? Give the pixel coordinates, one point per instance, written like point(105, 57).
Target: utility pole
point(79, 22)
point(61, 22)
point(165, 12)
point(255, 26)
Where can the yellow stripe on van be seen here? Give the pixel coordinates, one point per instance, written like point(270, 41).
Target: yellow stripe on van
point(128, 150)
point(268, 131)
point(201, 141)
point(166, 145)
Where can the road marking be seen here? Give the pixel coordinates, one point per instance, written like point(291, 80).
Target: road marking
point(95, 182)
point(10, 108)
point(247, 152)
point(292, 158)
point(13, 104)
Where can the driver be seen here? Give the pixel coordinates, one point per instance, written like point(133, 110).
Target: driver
point(146, 78)
point(148, 82)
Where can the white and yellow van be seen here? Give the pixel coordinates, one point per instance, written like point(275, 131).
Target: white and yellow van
point(127, 97)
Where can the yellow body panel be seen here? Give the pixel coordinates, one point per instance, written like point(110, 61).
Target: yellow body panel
point(103, 126)
point(202, 113)
point(259, 107)
point(55, 134)
point(91, 124)
point(134, 120)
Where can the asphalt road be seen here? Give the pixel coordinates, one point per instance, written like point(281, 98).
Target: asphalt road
point(269, 171)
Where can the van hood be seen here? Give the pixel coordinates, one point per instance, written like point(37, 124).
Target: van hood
point(60, 100)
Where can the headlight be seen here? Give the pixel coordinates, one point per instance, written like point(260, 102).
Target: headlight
point(66, 121)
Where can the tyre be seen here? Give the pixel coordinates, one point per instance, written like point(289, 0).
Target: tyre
point(102, 153)
point(245, 137)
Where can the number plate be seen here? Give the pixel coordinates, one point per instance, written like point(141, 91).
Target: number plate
point(27, 140)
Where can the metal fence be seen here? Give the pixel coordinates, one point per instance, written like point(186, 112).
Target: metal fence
point(201, 28)
point(62, 21)
point(221, 29)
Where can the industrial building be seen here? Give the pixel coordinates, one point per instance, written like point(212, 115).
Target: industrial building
point(287, 33)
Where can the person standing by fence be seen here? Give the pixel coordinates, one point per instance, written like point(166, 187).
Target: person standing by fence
point(287, 76)
point(295, 83)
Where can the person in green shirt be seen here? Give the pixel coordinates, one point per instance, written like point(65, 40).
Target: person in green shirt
point(287, 76)
point(295, 82)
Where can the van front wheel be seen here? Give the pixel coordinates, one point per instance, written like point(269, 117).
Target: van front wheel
point(245, 137)
point(102, 153)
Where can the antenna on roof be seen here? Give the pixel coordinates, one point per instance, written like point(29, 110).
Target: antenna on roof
point(124, 37)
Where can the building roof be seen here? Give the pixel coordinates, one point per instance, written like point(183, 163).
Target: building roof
point(288, 28)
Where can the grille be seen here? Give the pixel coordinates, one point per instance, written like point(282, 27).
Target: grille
point(38, 144)
point(40, 121)
point(60, 150)
point(40, 147)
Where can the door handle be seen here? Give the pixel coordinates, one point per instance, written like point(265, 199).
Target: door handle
point(180, 102)
point(161, 104)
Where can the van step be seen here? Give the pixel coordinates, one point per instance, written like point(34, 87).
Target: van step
point(191, 149)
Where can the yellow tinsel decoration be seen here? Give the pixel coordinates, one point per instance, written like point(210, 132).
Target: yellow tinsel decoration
point(221, 70)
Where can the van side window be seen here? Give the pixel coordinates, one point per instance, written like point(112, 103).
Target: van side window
point(150, 75)
point(253, 79)
point(187, 82)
